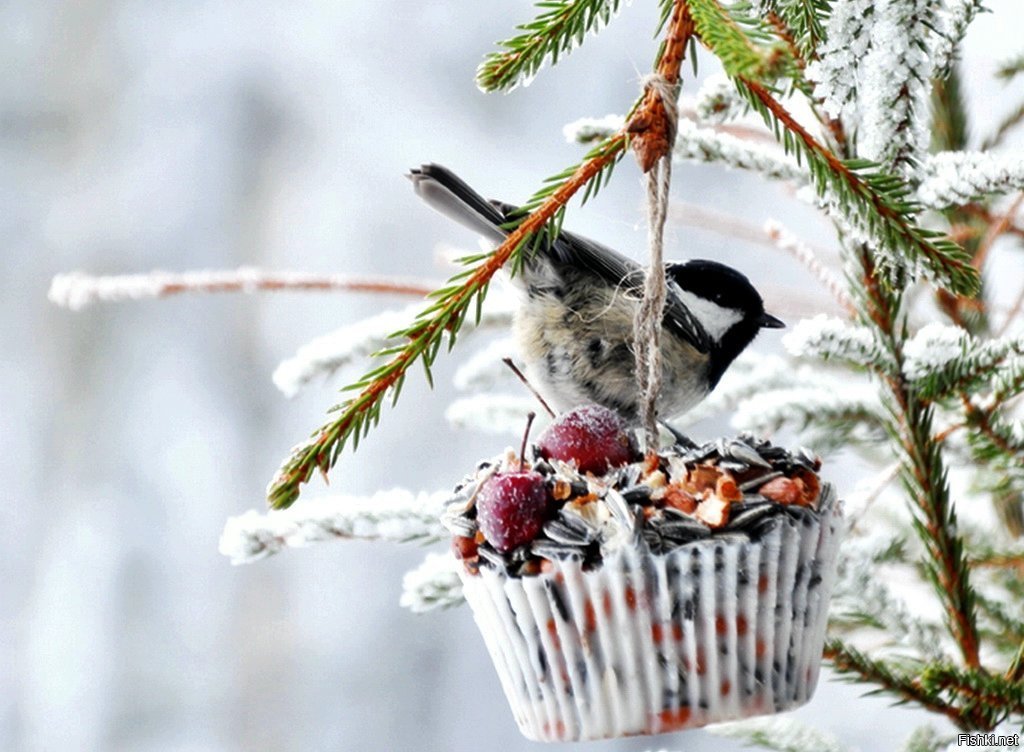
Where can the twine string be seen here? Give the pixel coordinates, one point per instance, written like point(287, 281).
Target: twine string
point(649, 315)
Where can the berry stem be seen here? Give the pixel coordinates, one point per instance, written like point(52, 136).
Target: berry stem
point(526, 434)
point(522, 377)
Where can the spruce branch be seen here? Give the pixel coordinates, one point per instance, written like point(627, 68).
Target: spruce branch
point(1011, 68)
point(433, 585)
point(77, 290)
point(560, 27)
point(803, 20)
point(398, 515)
point(739, 40)
point(829, 338)
point(323, 356)
point(959, 14)
point(946, 361)
point(778, 734)
point(444, 316)
point(905, 685)
point(955, 178)
point(878, 201)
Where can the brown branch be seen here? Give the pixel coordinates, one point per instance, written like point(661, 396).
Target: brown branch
point(995, 230)
point(651, 130)
point(79, 290)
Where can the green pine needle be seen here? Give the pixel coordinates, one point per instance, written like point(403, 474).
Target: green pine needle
point(561, 26)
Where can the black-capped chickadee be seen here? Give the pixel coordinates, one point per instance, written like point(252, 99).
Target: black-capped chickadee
point(575, 322)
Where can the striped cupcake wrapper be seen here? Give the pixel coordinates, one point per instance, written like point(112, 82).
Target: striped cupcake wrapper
point(646, 644)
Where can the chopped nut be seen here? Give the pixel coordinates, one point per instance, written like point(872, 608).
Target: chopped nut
point(727, 490)
point(782, 490)
point(677, 498)
point(810, 487)
point(702, 479)
point(713, 511)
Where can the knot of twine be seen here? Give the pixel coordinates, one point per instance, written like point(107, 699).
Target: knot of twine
point(649, 314)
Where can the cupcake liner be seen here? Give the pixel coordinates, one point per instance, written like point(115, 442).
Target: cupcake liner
point(646, 644)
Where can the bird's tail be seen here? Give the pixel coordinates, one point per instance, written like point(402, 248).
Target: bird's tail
point(446, 193)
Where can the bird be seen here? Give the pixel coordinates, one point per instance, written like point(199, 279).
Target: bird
point(574, 322)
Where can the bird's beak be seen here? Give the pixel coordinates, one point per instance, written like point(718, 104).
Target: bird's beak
point(767, 321)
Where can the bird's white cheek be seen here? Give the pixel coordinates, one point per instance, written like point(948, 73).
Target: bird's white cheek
point(715, 319)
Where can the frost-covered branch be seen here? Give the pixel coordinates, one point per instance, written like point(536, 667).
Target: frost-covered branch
point(398, 515)
point(956, 17)
point(781, 734)
point(946, 360)
point(433, 585)
point(862, 596)
point(78, 290)
point(322, 357)
point(828, 338)
point(836, 72)
point(894, 79)
point(953, 178)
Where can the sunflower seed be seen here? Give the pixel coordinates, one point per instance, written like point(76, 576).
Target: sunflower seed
point(493, 558)
point(760, 480)
point(620, 510)
point(460, 525)
point(552, 550)
point(740, 451)
point(744, 519)
point(560, 532)
point(684, 530)
point(637, 494)
point(578, 523)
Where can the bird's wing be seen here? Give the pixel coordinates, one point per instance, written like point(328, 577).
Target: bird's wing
point(447, 193)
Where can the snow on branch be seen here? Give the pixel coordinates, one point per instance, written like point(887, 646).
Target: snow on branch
point(485, 369)
point(953, 178)
point(717, 101)
point(946, 360)
point(829, 338)
point(836, 72)
point(696, 144)
point(779, 733)
point(895, 77)
point(862, 596)
point(591, 130)
point(433, 585)
point(829, 417)
point(78, 290)
point(956, 17)
point(325, 355)
point(397, 515)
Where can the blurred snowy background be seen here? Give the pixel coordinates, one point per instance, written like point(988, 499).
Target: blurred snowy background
point(143, 135)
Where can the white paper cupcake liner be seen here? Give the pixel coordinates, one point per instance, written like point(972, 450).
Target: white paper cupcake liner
point(646, 644)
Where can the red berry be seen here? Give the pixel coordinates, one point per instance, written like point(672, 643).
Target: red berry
point(510, 508)
point(592, 435)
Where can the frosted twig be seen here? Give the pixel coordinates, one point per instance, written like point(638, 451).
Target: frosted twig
point(892, 84)
point(397, 515)
point(952, 178)
point(836, 72)
point(957, 17)
point(718, 101)
point(697, 144)
point(326, 354)
point(778, 733)
point(78, 290)
point(786, 241)
point(829, 338)
point(433, 585)
point(860, 591)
